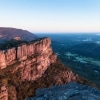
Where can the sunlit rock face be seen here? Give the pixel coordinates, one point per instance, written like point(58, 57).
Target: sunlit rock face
point(2, 60)
point(31, 59)
point(30, 66)
point(3, 93)
point(10, 56)
point(70, 91)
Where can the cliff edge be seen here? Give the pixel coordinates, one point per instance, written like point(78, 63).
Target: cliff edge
point(32, 65)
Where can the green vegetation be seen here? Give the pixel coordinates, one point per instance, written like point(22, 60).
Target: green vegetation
point(10, 44)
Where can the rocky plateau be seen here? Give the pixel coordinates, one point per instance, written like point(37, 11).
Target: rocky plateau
point(30, 66)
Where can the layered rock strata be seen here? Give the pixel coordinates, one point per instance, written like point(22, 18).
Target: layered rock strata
point(29, 61)
point(32, 59)
point(30, 66)
point(3, 93)
point(23, 51)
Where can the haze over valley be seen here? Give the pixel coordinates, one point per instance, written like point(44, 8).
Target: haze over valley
point(81, 52)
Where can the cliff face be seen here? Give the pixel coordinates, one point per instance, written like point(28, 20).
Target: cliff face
point(32, 59)
point(29, 61)
point(3, 93)
point(31, 66)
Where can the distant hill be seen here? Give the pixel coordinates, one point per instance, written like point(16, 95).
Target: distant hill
point(87, 49)
point(17, 34)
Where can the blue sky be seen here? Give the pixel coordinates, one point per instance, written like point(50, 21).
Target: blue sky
point(51, 15)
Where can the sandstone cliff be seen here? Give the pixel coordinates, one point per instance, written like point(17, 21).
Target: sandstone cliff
point(3, 93)
point(29, 61)
point(30, 66)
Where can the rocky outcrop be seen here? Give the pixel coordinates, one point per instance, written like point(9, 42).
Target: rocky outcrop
point(70, 91)
point(32, 59)
point(3, 93)
point(33, 65)
point(27, 62)
point(23, 51)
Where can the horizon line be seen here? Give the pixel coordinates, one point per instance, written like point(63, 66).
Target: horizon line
point(64, 32)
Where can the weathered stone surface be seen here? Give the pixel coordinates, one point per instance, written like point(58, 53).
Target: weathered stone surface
point(12, 94)
point(34, 58)
point(70, 91)
point(10, 55)
point(33, 65)
point(22, 52)
point(2, 60)
point(29, 60)
point(3, 93)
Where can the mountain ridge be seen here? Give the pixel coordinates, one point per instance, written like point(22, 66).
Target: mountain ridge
point(35, 66)
point(17, 34)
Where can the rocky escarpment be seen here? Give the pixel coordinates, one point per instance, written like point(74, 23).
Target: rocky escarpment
point(3, 93)
point(32, 59)
point(33, 65)
point(27, 62)
point(70, 91)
